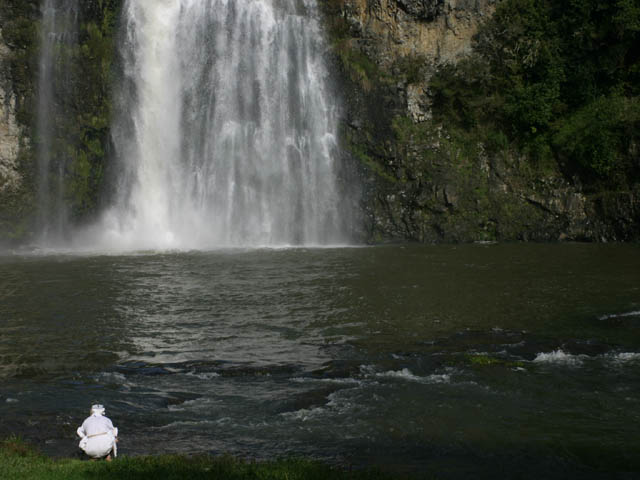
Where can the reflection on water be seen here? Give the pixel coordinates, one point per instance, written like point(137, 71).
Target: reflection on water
point(518, 359)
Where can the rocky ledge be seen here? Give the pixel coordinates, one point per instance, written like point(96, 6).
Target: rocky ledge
point(420, 182)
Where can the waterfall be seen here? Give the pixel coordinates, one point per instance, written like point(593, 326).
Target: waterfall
point(58, 34)
point(227, 128)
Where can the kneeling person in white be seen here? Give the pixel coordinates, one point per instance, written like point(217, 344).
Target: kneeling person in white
point(98, 435)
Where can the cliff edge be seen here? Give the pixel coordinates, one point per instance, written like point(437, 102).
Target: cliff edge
point(427, 181)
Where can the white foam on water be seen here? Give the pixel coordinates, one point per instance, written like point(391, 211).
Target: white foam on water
point(11, 400)
point(341, 381)
point(338, 404)
point(559, 357)
point(112, 377)
point(305, 414)
point(203, 376)
point(188, 405)
point(405, 374)
point(635, 313)
point(625, 357)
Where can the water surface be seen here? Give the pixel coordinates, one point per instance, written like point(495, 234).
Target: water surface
point(515, 361)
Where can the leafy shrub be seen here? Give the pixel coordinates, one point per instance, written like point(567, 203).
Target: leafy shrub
point(557, 80)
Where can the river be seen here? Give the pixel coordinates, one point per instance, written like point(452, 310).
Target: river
point(468, 361)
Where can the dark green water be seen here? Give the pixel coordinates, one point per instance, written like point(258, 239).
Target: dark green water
point(478, 361)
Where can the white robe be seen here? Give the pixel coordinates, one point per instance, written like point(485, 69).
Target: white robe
point(98, 436)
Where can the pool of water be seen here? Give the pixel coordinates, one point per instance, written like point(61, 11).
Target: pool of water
point(472, 361)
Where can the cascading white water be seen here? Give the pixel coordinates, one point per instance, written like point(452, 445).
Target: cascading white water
point(227, 134)
point(58, 31)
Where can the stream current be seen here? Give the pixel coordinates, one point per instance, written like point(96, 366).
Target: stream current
point(477, 361)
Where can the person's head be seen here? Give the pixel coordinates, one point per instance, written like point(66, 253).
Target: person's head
point(97, 409)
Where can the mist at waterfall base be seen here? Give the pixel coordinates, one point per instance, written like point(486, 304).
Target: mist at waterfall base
point(507, 361)
point(225, 131)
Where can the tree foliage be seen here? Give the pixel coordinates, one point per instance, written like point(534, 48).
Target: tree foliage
point(82, 97)
point(558, 79)
point(83, 137)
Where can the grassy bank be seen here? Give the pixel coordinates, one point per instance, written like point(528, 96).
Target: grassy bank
point(20, 461)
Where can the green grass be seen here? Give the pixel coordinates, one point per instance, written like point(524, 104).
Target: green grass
point(18, 460)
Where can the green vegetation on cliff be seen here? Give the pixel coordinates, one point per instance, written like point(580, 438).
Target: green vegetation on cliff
point(16, 73)
point(533, 135)
point(559, 81)
point(81, 82)
point(82, 130)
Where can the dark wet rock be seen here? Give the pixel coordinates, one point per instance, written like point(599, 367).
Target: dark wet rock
point(422, 9)
point(141, 368)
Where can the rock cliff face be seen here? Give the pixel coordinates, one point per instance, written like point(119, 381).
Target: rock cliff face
point(418, 34)
point(15, 185)
point(438, 30)
point(78, 143)
point(420, 182)
point(10, 132)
